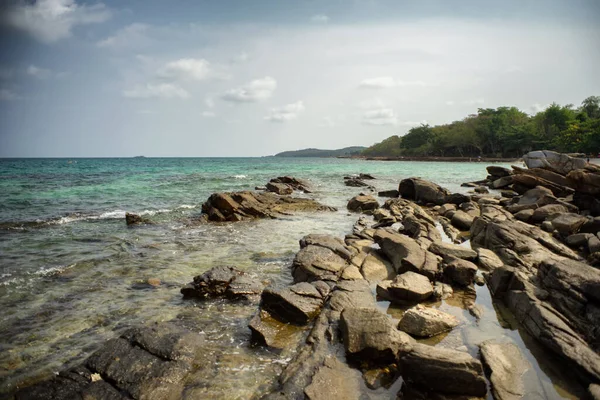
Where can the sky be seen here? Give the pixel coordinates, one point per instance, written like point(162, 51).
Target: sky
point(234, 78)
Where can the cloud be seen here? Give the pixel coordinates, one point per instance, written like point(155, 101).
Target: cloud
point(209, 114)
point(240, 58)
point(161, 90)
point(319, 19)
point(7, 95)
point(537, 107)
point(186, 69)
point(51, 20)
point(210, 103)
point(285, 113)
point(327, 122)
point(384, 82)
point(37, 72)
point(257, 90)
point(380, 117)
point(125, 37)
point(473, 102)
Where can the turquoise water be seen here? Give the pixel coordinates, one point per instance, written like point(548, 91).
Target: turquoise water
point(72, 273)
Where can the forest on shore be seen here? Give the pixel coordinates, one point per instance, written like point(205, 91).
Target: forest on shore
point(502, 132)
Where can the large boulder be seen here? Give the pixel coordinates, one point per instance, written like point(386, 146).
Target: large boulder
point(585, 181)
point(294, 183)
point(553, 161)
point(459, 271)
point(408, 287)
point(568, 223)
point(279, 188)
point(443, 370)
point(222, 281)
point(454, 250)
point(548, 211)
point(422, 191)
point(238, 206)
point(362, 203)
point(371, 335)
point(313, 263)
point(296, 304)
point(497, 171)
point(507, 367)
point(426, 322)
point(406, 254)
point(462, 220)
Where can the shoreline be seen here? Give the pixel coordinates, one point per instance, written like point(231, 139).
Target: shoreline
point(433, 158)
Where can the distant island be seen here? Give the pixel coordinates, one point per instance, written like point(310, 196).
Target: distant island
point(345, 152)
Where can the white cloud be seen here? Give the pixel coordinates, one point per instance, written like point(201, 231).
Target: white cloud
point(51, 20)
point(37, 72)
point(257, 90)
point(327, 122)
point(380, 117)
point(210, 103)
point(320, 19)
point(450, 103)
point(125, 37)
point(240, 58)
point(473, 102)
point(8, 95)
point(186, 69)
point(285, 113)
point(537, 107)
point(384, 82)
point(209, 114)
point(161, 90)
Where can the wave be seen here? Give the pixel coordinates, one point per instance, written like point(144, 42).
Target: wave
point(240, 176)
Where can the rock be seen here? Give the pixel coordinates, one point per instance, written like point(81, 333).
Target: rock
point(497, 171)
point(148, 362)
point(585, 182)
point(363, 203)
point(548, 211)
point(568, 223)
point(355, 182)
point(297, 304)
point(545, 174)
point(376, 268)
point(507, 368)
point(135, 219)
point(447, 207)
point(594, 391)
point(458, 198)
point(370, 335)
point(422, 191)
point(535, 196)
point(313, 263)
point(238, 206)
point(509, 193)
point(547, 226)
point(462, 220)
point(442, 291)
point(481, 189)
point(155, 282)
point(578, 239)
point(592, 225)
point(279, 188)
point(352, 294)
point(270, 331)
point(410, 287)
point(593, 244)
point(334, 380)
point(553, 161)
point(488, 260)
point(365, 177)
point(351, 273)
point(405, 253)
point(294, 183)
point(329, 242)
point(524, 215)
point(454, 250)
point(389, 193)
point(426, 322)
point(461, 272)
point(443, 370)
point(222, 281)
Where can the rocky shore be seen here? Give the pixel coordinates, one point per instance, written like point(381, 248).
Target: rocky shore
point(536, 245)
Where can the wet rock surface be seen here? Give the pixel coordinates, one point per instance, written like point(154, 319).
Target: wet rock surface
point(423, 321)
point(507, 367)
point(363, 203)
point(223, 281)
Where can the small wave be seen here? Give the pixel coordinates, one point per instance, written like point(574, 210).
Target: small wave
point(240, 176)
point(116, 214)
point(187, 206)
point(53, 270)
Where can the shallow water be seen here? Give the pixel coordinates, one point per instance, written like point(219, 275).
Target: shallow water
point(72, 274)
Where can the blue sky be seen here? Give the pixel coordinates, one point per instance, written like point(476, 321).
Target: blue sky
point(252, 78)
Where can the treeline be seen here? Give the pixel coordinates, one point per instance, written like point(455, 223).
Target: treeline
point(502, 132)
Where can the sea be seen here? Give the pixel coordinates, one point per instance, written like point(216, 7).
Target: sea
point(73, 274)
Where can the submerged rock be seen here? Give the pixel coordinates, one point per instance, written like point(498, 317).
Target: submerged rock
point(426, 322)
point(270, 331)
point(507, 367)
point(135, 219)
point(297, 304)
point(222, 281)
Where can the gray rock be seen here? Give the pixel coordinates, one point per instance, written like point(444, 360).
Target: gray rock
point(594, 391)
point(329, 242)
point(461, 272)
point(352, 294)
point(297, 304)
point(334, 380)
point(370, 335)
point(135, 219)
point(488, 260)
point(593, 244)
point(422, 191)
point(502, 182)
point(279, 188)
point(454, 250)
point(507, 368)
point(406, 254)
point(222, 281)
point(443, 370)
point(362, 203)
point(389, 193)
point(313, 263)
point(462, 220)
point(498, 171)
point(426, 322)
point(553, 161)
point(568, 223)
point(376, 268)
point(410, 287)
point(578, 239)
point(272, 332)
point(548, 211)
point(355, 182)
point(547, 226)
point(524, 215)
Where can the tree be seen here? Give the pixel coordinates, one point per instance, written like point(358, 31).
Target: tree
point(591, 106)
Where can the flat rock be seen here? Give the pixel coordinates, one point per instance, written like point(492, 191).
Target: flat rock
point(462, 220)
point(297, 304)
point(507, 368)
point(352, 272)
point(371, 335)
point(568, 223)
point(410, 287)
point(334, 380)
point(426, 322)
point(279, 188)
point(332, 243)
point(454, 250)
point(270, 331)
point(313, 263)
point(461, 272)
point(443, 370)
